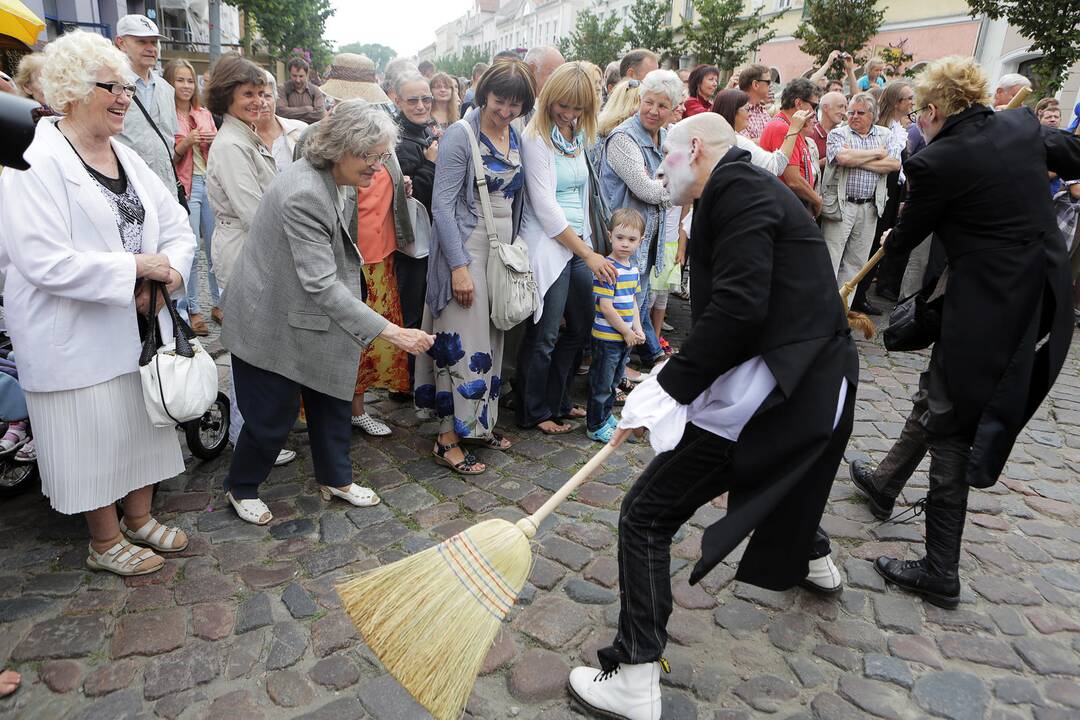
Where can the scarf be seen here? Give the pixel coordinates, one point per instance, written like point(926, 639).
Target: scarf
point(566, 147)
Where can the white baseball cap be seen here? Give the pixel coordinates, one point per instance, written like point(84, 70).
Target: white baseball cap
point(137, 26)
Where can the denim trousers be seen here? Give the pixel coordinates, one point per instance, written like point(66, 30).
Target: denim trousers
point(650, 349)
point(201, 217)
point(608, 363)
point(546, 357)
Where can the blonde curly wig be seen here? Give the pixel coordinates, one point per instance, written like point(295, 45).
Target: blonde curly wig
point(72, 63)
point(952, 84)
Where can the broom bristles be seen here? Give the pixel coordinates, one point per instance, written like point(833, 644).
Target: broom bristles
point(860, 322)
point(431, 618)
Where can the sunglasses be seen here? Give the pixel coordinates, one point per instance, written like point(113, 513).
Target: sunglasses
point(417, 99)
point(117, 88)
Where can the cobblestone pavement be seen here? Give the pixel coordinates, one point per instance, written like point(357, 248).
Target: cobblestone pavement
point(245, 624)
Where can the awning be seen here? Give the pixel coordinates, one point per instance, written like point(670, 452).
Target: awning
point(18, 23)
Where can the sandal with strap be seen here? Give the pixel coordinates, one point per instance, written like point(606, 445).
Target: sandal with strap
point(465, 467)
point(495, 442)
point(353, 494)
point(125, 559)
point(253, 511)
point(157, 536)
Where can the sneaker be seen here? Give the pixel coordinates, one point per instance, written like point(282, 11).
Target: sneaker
point(15, 437)
point(602, 434)
point(284, 457)
point(631, 692)
point(666, 327)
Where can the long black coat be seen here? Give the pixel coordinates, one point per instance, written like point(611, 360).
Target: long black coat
point(413, 140)
point(980, 185)
point(763, 285)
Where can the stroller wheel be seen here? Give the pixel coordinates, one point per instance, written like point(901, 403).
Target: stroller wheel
point(208, 435)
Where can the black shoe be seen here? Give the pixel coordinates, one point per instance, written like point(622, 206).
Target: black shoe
point(401, 397)
point(865, 308)
point(862, 475)
point(912, 575)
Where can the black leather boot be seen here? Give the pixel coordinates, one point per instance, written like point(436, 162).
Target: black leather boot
point(862, 477)
point(883, 484)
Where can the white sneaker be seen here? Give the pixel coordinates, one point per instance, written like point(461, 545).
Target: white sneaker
point(370, 425)
point(629, 692)
point(285, 457)
point(823, 577)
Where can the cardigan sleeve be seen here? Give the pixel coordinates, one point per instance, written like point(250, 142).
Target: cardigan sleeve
point(624, 157)
point(537, 159)
point(451, 170)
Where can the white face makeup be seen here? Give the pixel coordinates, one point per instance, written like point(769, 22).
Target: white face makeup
point(676, 170)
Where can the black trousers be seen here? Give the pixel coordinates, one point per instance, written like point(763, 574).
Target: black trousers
point(411, 276)
point(269, 403)
point(667, 494)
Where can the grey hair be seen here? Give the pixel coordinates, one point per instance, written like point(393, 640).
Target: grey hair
point(408, 77)
point(1011, 80)
point(664, 82)
point(354, 127)
point(868, 100)
point(271, 81)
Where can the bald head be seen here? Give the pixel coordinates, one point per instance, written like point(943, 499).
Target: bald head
point(691, 151)
point(544, 60)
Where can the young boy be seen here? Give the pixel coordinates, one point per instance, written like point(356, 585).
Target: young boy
point(617, 326)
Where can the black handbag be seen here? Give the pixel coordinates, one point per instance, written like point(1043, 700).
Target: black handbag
point(181, 196)
point(915, 322)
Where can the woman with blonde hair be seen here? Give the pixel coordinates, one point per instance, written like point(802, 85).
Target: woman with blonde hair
point(557, 230)
point(1006, 317)
point(28, 76)
point(621, 104)
point(446, 107)
point(195, 132)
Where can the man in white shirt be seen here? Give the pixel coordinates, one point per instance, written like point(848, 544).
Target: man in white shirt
point(137, 37)
point(1007, 87)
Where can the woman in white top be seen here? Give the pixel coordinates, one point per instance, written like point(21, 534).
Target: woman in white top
point(557, 231)
point(87, 229)
point(734, 106)
point(277, 133)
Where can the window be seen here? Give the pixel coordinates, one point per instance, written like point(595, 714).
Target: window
point(688, 11)
point(783, 4)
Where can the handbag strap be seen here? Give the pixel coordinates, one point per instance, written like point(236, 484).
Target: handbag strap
point(481, 183)
point(170, 151)
point(182, 332)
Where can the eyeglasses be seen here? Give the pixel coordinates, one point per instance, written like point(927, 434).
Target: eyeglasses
point(417, 99)
point(813, 105)
point(377, 158)
point(913, 116)
point(764, 79)
point(117, 88)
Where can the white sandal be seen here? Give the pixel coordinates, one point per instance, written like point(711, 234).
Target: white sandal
point(125, 559)
point(156, 535)
point(253, 511)
point(355, 495)
point(370, 425)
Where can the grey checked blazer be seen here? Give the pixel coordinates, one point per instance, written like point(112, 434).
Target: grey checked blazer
point(293, 304)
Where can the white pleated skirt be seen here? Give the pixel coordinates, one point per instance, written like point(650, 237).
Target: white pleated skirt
point(96, 444)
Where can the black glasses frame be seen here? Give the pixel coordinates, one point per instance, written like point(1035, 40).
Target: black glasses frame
point(125, 89)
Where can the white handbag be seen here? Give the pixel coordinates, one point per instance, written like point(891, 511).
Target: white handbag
point(512, 291)
point(421, 227)
point(179, 379)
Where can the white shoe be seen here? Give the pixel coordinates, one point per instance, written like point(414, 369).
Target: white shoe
point(285, 457)
point(629, 692)
point(253, 511)
point(823, 577)
point(354, 494)
point(370, 425)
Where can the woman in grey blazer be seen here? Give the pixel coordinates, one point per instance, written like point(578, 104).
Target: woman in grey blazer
point(296, 321)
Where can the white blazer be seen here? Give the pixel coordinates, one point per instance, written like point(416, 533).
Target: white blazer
point(69, 298)
point(544, 218)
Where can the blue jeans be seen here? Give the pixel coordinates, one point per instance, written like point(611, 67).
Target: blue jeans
point(546, 357)
point(608, 362)
point(201, 217)
point(650, 349)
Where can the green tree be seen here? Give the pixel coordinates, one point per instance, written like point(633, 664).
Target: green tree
point(650, 27)
point(289, 24)
point(721, 36)
point(461, 64)
point(845, 25)
point(595, 38)
point(1052, 26)
point(379, 54)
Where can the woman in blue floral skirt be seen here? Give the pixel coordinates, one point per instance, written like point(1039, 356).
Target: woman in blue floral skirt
point(459, 379)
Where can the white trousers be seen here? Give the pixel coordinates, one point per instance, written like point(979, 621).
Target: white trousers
point(849, 239)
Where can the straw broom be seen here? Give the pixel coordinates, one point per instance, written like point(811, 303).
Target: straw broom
point(856, 320)
point(432, 617)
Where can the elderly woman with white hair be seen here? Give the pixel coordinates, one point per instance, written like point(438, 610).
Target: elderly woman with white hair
point(297, 317)
point(87, 230)
point(629, 159)
point(280, 134)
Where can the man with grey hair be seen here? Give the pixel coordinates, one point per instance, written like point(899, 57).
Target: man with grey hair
point(543, 60)
point(152, 137)
point(858, 158)
point(786, 369)
point(1007, 87)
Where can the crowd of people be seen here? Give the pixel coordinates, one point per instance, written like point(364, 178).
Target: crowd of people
point(346, 233)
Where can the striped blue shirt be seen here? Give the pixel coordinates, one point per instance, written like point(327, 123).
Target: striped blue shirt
point(622, 296)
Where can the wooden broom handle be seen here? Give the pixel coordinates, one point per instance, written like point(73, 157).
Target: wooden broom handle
point(1018, 98)
point(564, 492)
point(851, 284)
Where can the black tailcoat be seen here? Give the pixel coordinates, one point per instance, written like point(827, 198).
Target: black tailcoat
point(762, 285)
point(980, 185)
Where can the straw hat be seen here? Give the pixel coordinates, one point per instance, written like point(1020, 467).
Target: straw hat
point(352, 77)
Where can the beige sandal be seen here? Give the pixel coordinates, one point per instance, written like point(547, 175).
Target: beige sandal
point(157, 536)
point(125, 559)
point(253, 511)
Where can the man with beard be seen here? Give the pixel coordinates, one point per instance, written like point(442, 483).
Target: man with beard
point(765, 388)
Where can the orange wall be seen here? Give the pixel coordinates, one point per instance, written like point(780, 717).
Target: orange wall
point(925, 43)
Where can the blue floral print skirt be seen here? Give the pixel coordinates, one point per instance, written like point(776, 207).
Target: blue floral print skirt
point(459, 378)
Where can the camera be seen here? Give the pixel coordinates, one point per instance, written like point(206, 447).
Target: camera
point(17, 127)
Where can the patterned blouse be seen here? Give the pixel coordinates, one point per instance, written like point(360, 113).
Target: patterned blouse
point(503, 172)
point(125, 204)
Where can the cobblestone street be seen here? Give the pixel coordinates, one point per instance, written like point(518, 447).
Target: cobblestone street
point(245, 623)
